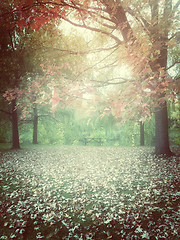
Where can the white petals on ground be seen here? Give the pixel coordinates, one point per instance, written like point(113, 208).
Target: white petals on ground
point(88, 193)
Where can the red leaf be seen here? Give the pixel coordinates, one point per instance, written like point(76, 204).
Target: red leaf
point(165, 84)
point(19, 7)
point(30, 2)
point(22, 23)
point(38, 22)
point(35, 26)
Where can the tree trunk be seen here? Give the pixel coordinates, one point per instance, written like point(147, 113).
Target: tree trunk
point(14, 121)
point(35, 124)
point(141, 133)
point(162, 139)
point(161, 115)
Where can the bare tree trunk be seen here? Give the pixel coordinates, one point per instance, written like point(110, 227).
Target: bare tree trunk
point(14, 121)
point(35, 124)
point(141, 133)
point(161, 128)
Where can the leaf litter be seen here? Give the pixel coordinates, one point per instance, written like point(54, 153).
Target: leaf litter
point(70, 192)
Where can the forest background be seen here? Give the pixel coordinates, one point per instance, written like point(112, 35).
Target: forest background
point(116, 79)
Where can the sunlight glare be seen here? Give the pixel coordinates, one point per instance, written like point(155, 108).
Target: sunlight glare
point(68, 30)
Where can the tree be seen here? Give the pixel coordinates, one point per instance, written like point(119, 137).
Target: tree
point(12, 66)
point(10, 76)
point(19, 64)
point(158, 30)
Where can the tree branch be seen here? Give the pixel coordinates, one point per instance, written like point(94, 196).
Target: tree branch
point(118, 41)
point(139, 18)
point(97, 63)
point(96, 14)
point(109, 65)
point(109, 81)
point(83, 52)
point(8, 113)
point(176, 5)
point(172, 65)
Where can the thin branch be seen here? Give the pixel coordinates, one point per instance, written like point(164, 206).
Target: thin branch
point(109, 65)
point(21, 121)
point(104, 84)
point(118, 41)
point(176, 5)
point(12, 44)
point(8, 113)
point(139, 18)
point(92, 66)
point(124, 79)
point(107, 25)
point(172, 65)
point(109, 82)
point(96, 14)
point(174, 35)
point(83, 52)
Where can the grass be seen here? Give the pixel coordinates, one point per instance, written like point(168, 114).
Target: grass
point(73, 192)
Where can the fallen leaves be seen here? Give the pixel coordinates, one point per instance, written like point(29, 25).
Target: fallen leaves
point(88, 193)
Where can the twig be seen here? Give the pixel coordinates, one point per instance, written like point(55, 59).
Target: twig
point(172, 65)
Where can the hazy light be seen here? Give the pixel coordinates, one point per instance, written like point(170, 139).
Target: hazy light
point(68, 30)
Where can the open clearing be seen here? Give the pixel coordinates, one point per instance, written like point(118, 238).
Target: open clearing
point(70, 192)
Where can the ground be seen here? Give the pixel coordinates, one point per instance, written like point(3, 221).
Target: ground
point(70, 192)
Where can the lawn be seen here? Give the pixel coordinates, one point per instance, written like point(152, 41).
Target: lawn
point(74, 192)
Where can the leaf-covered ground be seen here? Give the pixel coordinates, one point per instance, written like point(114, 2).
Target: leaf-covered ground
point(88, 193)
